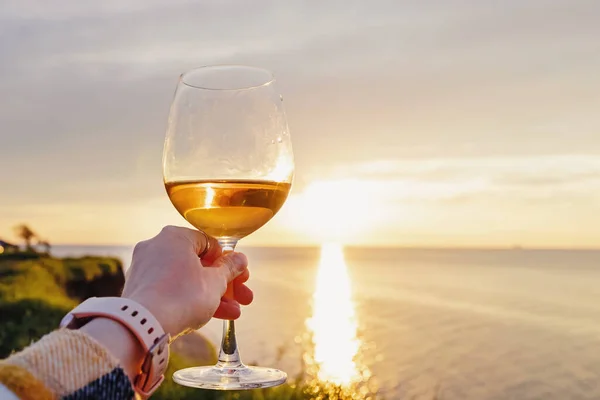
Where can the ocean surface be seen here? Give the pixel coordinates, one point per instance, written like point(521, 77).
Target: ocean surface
point(465, 324)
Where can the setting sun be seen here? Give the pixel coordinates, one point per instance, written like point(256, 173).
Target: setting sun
point(336, 210)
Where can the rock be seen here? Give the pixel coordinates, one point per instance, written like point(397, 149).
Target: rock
point(195, 348)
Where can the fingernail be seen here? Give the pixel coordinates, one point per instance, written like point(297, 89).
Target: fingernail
point(239, 259)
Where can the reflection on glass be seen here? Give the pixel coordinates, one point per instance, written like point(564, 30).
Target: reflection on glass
point(333, 323)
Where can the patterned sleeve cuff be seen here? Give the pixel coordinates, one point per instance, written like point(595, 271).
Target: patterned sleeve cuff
point(23, 384)
point(69, 365)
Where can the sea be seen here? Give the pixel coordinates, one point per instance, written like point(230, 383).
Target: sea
point(423, 323)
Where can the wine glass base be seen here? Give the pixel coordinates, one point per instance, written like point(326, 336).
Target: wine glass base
point(236, 378)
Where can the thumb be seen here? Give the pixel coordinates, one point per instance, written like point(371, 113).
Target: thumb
point(231, 265)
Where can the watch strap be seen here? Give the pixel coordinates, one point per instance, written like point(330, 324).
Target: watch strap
point(144, 326)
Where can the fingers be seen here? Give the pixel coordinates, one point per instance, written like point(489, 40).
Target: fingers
point(201, 242)
point(228, 309)
point(230, 266)
point(243, 278)
point(233, 269)
point(214, 251)
point(242, 293)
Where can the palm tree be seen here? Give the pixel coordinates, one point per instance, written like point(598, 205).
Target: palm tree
point(45, 244)
point(25, 233)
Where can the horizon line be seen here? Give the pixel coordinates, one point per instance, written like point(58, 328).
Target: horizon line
point(383, 247)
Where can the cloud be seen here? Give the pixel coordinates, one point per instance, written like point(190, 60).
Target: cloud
point(519, 177)
point(449, 102)
point(62, 10)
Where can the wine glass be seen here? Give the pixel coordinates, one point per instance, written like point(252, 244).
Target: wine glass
point(228, 168)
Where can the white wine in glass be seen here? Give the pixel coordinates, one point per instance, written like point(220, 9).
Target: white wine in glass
point(228, 208)
point(228, 168)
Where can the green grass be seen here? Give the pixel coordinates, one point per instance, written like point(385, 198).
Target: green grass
point(34, 294)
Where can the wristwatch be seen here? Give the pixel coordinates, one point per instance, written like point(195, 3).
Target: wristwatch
point(141, 323)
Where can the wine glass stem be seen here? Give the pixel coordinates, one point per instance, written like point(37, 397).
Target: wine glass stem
point(229, 357)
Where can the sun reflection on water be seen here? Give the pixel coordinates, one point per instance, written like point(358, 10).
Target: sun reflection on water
point(333, 324)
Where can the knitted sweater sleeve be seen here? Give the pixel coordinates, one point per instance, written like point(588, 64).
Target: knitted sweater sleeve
point(65, 364)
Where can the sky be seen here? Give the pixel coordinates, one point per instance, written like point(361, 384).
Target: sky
point(430, 123)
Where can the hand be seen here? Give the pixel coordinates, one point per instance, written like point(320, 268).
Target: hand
point(183, 292)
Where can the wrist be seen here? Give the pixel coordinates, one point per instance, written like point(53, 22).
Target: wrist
point(135, 321)
point(119, 341)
